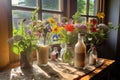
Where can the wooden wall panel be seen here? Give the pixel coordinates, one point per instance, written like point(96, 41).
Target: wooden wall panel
point(4, 48)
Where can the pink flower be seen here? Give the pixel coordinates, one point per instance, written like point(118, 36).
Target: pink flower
point(81, 27)
point(37, 34)
point(61, 24)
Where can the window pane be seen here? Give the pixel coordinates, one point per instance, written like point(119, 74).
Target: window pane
point(18, 15)
point(27, 3)
point(81, 6)
point(47, 15)
point(82, 19)
point(92, 7)
point(51, 5)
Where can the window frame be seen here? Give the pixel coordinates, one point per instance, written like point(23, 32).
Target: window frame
point(39, 4)
point(100, 8)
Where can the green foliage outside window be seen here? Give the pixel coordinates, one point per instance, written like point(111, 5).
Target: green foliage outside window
point(81, 6)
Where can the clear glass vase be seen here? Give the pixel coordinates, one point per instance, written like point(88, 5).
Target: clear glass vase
point(42, 52)
point(42, 55)
point(67, 55)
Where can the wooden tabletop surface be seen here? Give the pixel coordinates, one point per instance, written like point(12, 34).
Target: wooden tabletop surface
point(107, 63)
point(63, 71)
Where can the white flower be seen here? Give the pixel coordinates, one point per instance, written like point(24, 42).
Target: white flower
point(18, 38)
point(15, 39)
point(11, 40)
point(69, 33)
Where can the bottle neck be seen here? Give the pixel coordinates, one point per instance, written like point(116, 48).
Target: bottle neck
point(80, 37)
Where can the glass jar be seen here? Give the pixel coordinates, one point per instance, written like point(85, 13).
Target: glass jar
point(80, 52)
point(67, 56)
point(42, 55)
point(42, 51)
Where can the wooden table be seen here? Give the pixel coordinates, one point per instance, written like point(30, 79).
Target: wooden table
point(70, 73)
point(106, 64)
point(56, 70)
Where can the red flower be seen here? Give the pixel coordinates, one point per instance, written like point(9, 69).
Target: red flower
point(93, 21)
point(69, 27)
point(93, 29)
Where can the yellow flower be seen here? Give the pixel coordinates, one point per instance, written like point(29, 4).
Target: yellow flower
point(100, 15)
point(61, 28)
point(55, 29)
point(51, 20)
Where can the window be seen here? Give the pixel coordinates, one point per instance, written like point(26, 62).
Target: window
point(89, 8)
point(48, 8)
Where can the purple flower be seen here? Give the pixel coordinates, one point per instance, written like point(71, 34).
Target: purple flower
point(81, 26)
point(48, 27)
point(61, 24)
point(29, 31)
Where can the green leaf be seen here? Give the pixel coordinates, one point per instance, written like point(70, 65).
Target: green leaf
point(16, 50)
point(76, 16)
point(33, 17)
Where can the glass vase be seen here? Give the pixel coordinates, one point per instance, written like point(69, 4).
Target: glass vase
point(42, 55)
point(42, 51)
point(25, 62)
point(67, 55)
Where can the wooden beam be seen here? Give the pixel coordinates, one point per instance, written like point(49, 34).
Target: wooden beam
point(71, 8)
point(4, 33)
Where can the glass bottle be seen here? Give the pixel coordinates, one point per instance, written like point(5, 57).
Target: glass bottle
point(54, 54)
point(80, 52)
point(63, 48)
point(92, 55)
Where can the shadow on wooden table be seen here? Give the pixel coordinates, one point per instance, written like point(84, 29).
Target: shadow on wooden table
point(53, 75)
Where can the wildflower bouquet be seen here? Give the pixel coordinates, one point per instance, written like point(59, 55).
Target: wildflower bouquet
point(97, 33)
point(24, 38)
point(69, 33)
point(26, 35)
